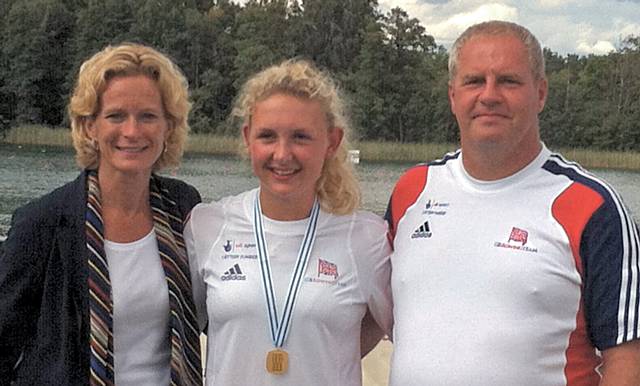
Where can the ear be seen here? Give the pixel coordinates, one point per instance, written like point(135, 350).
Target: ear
point(170, 128)
point(335, 139)
point(89, 127)
point(451, 93)
point(543, 91)
point(246, 131)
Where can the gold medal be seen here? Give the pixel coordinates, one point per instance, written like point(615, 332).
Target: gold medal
point(277, 361)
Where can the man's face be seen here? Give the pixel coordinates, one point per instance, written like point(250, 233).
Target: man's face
point(495, 97)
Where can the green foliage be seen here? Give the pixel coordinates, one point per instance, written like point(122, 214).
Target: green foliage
point(100, 23)
point(261, 37)
point(332, 31)
point(35, 36)
point(397, 86)
point(392, 71)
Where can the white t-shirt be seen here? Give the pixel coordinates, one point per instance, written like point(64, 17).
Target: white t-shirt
point(509, 282)
point(140, 313)
point(348, 271)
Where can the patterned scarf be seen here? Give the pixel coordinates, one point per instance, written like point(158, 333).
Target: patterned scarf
point(185, 343)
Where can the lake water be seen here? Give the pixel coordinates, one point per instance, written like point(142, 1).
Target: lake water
point(27, 172)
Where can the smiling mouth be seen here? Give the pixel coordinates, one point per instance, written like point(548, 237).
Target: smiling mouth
point(283, 172)
point(489, 115)
point(131, 149)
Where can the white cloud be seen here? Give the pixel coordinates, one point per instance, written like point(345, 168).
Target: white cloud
point(600, 47)
point(626, 28)
point(483, 13)
point(552, 3)
point(449, 29)
point(564, 26)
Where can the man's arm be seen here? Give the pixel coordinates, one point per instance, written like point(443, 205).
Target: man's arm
point(370, 334)
point(621, 365)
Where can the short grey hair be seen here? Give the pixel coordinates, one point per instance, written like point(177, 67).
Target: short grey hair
point(495, 28)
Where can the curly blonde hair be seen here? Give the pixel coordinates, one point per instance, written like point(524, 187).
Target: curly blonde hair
point(337, 188)
point(129, 60)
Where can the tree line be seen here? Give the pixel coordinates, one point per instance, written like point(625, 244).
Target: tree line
point(392, 71)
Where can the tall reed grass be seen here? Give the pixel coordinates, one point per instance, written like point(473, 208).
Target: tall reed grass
point(39, 135)
point(601, 159)
point(373, 151)
point(402, 152)
point(213, 144)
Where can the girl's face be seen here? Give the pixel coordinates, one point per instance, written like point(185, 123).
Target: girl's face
point(289, 140)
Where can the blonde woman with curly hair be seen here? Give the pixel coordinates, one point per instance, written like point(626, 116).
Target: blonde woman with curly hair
point(94, 276)
point(284, 274)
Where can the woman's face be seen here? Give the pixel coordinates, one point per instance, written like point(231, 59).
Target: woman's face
point(130, 127)
point(288, 141)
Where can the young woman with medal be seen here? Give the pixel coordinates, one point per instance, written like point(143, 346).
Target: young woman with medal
point(284, 274)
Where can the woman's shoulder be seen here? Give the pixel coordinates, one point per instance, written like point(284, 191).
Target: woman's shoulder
point(176, 186)
point(370, 225)
point(366, 219)
point(361, 225)
point(38, 218)
point(183, 193)
point(229, 204)
point(67, 195)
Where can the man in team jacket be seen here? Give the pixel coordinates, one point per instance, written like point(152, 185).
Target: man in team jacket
point(511, 265)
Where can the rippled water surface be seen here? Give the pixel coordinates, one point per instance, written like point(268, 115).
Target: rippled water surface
point(28, 172)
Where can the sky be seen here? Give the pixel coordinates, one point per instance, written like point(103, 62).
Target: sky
point(565, 26)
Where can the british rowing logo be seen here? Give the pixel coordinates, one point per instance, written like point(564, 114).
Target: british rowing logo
point(423, 231)
point(327, 268)
point(518, 235)
point(327, 274)
point(517, 240)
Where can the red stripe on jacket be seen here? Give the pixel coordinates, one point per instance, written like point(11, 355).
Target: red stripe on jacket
point(573, 209)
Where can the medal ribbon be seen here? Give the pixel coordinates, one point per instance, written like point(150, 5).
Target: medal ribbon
point(280, 327)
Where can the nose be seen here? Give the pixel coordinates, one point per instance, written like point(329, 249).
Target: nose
point(282, 150)
point(490, 94)
point(130, 127)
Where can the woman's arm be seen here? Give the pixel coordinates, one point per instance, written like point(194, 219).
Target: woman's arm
point(20, 288)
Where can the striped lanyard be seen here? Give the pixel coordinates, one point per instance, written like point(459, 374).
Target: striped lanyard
point(280, 327)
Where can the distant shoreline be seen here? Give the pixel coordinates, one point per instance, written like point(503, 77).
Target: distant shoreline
point(372, 151)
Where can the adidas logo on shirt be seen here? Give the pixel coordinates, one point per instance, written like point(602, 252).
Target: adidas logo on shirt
point(234, 273)
point(422, 232)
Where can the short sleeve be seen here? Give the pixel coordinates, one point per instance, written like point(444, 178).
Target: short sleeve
point(609, 249)
point(371, 251)
point(203, 227)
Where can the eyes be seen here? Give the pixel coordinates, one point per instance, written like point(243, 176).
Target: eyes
point(267, 135)
point(117, 117)
point(503, 80)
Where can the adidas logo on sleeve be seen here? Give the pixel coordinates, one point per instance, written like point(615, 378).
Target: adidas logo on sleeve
point(233, 273)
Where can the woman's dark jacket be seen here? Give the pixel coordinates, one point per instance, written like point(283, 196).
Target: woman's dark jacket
point(44, 307)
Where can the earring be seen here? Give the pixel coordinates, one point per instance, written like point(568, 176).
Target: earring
point(164, 150)
point(94, 145)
